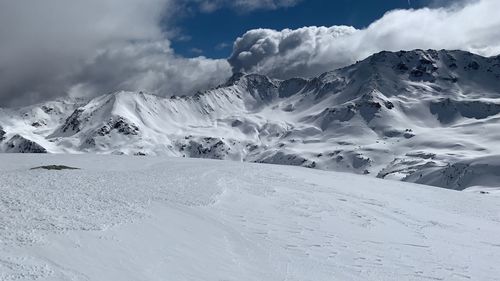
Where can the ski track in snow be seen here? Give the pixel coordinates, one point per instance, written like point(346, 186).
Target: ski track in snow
point(155, 218)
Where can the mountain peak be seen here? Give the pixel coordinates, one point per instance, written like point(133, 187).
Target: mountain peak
point(235, 78)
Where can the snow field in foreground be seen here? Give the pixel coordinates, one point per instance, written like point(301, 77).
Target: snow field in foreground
point(155, 218)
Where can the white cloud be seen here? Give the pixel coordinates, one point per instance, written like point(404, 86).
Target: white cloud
point(50, 47)
point(291, 52)
point(244, 5)
point(54, 47)
point(148, 66)
point(472, 26)
point(222, 46)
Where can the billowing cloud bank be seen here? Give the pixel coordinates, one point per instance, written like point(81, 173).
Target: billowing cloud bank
point(54, 48)
point(51, 48)
point(309, 51)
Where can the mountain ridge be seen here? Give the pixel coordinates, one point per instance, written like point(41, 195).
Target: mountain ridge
point(382, 116)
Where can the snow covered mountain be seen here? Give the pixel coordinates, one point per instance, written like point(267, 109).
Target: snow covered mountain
point(420, 116)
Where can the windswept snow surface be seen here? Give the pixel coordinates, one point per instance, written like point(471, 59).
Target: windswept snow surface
point(156, 218)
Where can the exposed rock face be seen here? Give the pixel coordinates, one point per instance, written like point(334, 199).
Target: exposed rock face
point(448, 110)
point(19, 144)
point(73, 122)
point(2, 134)
point(120, 125)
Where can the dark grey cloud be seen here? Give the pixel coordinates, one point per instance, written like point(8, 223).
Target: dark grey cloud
point(467, 25)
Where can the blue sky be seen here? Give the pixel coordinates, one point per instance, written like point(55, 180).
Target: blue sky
point(211, 34)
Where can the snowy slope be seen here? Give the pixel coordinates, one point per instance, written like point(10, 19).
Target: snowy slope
point(155, 218)
point(394, 115)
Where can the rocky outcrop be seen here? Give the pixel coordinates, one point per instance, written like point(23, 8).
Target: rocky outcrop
point(2, 134)
point(19, 144)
